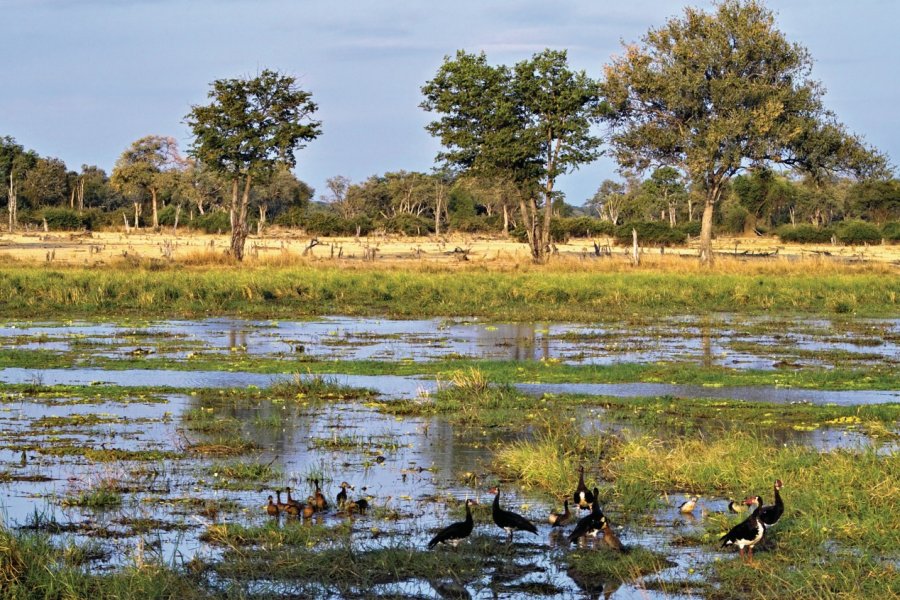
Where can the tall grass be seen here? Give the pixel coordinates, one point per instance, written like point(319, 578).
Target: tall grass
point(561, 292)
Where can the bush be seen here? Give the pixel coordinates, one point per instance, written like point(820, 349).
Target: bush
point(691, 228)
point(408, 224)
point(858, 232)
point(650, 233)
point(166, 216)
point(212, 222)
point(804, 234)
point(580, 227)
point(474, 224)
point(735, 218)
point(64, 219)
point(891, 231)
point(331, 224)
point(295, 216)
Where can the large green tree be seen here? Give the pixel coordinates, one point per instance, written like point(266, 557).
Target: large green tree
point(525, 125)
point(15, 163)
point(145, 168)
point(251, 126)
point(715, 92)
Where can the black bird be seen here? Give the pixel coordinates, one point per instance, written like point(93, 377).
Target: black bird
point(457, 532)
point(736, 507)
point(582, 496)
point(591, 525)
point(748, 532)
point(509, 520)
point(769, 515)
point(361, 506)
point(557, 519)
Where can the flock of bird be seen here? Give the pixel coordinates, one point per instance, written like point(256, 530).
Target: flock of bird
point(744, 535)
point(314, 503)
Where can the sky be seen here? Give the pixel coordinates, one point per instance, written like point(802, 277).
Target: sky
point(82, 79)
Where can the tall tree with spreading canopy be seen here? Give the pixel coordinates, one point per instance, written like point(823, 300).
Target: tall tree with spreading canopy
point(712, 93)
point(144, 168)
point(525, 125)
point(251, 126)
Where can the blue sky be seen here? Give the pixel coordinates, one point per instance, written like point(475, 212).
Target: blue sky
point(82, 79)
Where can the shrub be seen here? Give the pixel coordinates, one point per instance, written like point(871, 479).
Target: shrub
point(408, 224)
point(735, 218)
point(331, 224)
point(804, 233)
point(582, 227)
point(691, 228)
point(858, 232)
point(891, 231)
point(650, 233)
point(66, 219)
point(212, 222)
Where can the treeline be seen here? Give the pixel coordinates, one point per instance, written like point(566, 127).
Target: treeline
point(153, 186)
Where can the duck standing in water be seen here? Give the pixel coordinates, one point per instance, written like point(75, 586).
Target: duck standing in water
point(559, 519)
point(319, 498)
point(688, 506)
point(455, 533)
point(272, 508)
point(582, 496)
point(341, 497)
point(748, 532)
point(508, 520)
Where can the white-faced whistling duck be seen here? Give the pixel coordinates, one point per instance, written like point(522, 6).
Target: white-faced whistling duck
point(456, 532)
point(748, 532)
point(610, 538)
point(342, 495)
point(319, 498)
point(558, 519)
point(509, 520)
point(281, 505)
point(293, 501)
point(591, 525)
point(309, 509)
point(582, 496)
point(271, 508)
point(689, 505)
point(769, 515)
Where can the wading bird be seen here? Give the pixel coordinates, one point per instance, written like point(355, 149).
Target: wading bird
point(456, 532)
point(509, 520)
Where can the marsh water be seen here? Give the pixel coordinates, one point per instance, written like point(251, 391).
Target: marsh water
point(415, 469)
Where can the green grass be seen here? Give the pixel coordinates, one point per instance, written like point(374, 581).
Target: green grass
point(526, 294)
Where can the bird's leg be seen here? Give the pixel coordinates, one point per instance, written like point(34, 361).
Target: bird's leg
point(741, 551)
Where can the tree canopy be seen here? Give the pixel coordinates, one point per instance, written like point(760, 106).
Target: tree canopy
point(712, 93)
point(250, 127)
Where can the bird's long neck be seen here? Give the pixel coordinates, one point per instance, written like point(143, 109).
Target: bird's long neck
point(496, 505)
point(278, 495)
point(778, 501)
point(468, 513)
point(581, 485)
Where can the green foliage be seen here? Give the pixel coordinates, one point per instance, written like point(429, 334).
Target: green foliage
point(650, 233)
point(326, 223)
point(64, 219)
point(579, 227)
point(216, 221)
point(691, 228)
point(734, 219)
point(858, 232)
point(408, 224)
point(804, 233)
point(891, 231)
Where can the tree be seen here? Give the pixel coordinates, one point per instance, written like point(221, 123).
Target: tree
point(338, 186)
point(279, 193)
point(666, 187)
point(609, 200)
point(144, 168)
point(14, 164)
point(46, 183)
point(250, 127)
point(878, 201)
point(712, 93)
point(525, 125)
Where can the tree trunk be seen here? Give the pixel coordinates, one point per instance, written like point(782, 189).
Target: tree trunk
point(505, 220)
point(548, 215)
point(155, 211)
point(690, 209)
point(81, 194)
point(706, 253)
point(137, 215)
point(13, 203)
point(263, 208)
point(239, 219)
point(437, 214)
point(672, 217)
point(177, 214)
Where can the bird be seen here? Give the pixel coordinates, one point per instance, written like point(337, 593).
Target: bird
point(342, 495)
point(272, 508)
point(309, 509)
point(360, 506)
point(456, 532)
point(557, 519)
point(610, 538)
point(292, 501)
point(590, 525)
point(320, 502)
point(736, 507)
point(281, 505)
point(509, 520)
point(583, 497)
point(689, 505)
point(770, 515)
point(748, 532)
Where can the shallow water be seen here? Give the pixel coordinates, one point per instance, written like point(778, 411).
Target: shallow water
point(723, 340)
